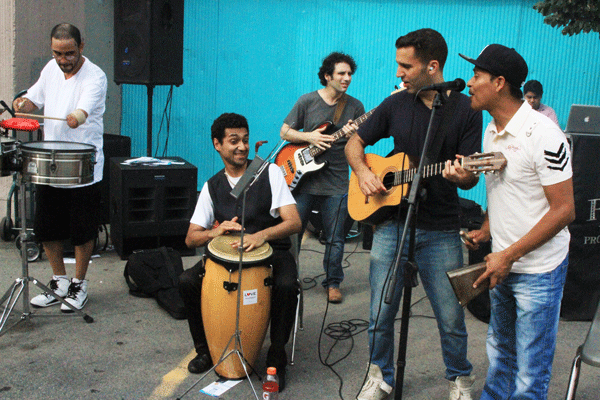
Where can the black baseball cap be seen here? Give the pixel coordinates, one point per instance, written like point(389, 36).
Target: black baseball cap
point(503, 61)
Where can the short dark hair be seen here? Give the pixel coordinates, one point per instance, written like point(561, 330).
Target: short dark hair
point(514, 91)
point(328, 65)
point(428, 44)
point(66, 31)
point(533, 86)
point(224, 121)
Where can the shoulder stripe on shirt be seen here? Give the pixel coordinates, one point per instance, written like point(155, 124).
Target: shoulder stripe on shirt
point(559, 158)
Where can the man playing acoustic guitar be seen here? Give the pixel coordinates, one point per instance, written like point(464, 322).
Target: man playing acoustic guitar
point(326, 188)
point(420, 56)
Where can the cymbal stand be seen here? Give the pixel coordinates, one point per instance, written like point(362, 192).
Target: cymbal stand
point(236, 338)
point(21, 284)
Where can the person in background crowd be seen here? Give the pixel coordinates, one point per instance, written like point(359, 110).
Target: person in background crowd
point(533, 94)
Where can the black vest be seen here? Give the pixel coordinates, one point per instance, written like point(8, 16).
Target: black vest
point(258, 205)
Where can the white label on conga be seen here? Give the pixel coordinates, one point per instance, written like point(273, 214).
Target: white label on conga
point(250, 297)
point(32, 168)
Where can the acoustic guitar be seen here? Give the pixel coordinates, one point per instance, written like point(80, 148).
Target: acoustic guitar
point(396, 174)
point(298, 159)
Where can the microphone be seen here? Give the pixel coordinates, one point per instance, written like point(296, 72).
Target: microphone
point(457, 85)
point(7, 108)
point(248, 177)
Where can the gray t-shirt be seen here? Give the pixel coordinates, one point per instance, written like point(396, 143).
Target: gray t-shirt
point(309, 112)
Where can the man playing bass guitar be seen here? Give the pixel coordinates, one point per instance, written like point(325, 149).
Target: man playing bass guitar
point(326, 188)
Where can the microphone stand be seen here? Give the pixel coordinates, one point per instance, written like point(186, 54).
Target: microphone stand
point(256, 167)
point(410, 267)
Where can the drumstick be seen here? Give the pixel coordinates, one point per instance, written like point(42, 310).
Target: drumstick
point(18, 114)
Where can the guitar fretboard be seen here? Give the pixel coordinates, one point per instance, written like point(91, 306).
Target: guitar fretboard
point(408, 175)
point(315, 151)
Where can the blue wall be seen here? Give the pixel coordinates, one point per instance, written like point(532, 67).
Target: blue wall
point(256, 57)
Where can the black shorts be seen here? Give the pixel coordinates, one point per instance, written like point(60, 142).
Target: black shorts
point(67, 213)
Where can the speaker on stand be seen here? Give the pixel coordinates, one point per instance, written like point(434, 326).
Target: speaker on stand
point(149, 46)
point(149, 42)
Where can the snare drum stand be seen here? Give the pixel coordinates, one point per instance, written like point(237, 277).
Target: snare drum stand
point(21, 285)
point(253, 171)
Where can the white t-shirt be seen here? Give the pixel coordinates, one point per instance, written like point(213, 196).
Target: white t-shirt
point(537, 155)
point(280, 196)
point(59, 97)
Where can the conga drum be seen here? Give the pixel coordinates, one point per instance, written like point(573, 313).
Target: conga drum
point(219, 302)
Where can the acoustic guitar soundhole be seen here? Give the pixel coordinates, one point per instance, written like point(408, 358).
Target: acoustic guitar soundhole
point(388, 180)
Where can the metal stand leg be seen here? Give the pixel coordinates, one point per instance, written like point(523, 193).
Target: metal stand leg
point(21, 285)
point(298, 325)
point(237, 349)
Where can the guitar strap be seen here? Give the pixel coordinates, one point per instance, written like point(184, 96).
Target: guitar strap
point(339, 109)
point(443, 128)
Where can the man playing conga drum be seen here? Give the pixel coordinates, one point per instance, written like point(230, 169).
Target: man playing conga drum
point(69, 86)
point(271, 217)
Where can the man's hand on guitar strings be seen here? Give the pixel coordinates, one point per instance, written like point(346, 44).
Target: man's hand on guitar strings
point(318, 139)
point(370, 184)
point(454, 172)
point(350, 128)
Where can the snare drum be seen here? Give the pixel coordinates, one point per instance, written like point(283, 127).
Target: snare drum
point(8, 154)
point(58, 163)
point(219, 302)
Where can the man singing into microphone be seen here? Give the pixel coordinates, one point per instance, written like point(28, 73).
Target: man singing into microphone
point(420, 56)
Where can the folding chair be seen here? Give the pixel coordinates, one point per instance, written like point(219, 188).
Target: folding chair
point(588, 352)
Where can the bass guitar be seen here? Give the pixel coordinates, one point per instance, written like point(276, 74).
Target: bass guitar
point(396, 174)
point(298, 159)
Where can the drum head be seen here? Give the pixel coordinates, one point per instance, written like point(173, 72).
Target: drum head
point(4, 141)
point(220, 249)
point(20, 124)
point(61, 147)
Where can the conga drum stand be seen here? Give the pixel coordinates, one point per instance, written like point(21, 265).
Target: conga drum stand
point(237, 349)
point(21, 285)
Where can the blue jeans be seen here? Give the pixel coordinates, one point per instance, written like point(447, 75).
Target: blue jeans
point(522, 334)
point(435, 253)
point(334, 212)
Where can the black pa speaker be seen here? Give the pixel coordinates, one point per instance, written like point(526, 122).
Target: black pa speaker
point(114, 146)
point(149, 42)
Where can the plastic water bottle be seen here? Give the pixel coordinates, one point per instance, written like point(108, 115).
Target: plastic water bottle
point(271, 385)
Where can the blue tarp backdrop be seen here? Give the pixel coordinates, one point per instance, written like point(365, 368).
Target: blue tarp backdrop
point(256, 57)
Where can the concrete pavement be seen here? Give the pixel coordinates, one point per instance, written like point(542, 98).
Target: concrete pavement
point(135, 350)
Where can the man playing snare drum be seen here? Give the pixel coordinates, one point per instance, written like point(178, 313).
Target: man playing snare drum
point(72, 87)
point(271, 217)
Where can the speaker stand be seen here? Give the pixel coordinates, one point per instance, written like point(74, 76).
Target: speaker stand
point(150, 89)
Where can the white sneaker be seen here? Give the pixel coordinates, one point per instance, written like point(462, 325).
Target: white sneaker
point(460, 389)
point(58, 285)
point(375, 387)
point(77, 296)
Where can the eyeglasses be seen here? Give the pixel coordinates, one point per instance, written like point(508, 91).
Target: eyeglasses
point(70, 56)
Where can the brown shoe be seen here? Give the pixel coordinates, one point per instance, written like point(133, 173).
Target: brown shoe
point(334, 295)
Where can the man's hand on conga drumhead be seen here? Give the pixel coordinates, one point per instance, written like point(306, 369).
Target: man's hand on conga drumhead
point(251, 241)
point(227, 227)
